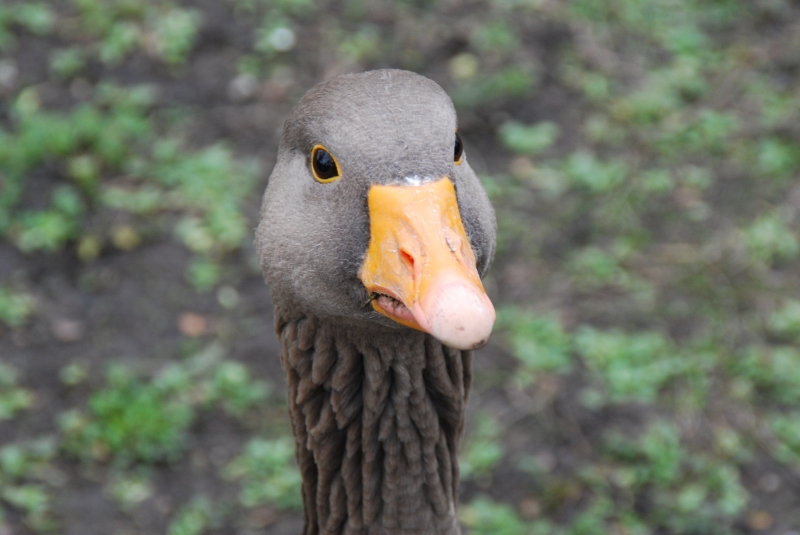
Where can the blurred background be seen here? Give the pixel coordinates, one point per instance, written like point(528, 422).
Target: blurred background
point(643, 158)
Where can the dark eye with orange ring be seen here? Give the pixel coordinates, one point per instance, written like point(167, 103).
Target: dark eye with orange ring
point(458, 151)
point(324, 165)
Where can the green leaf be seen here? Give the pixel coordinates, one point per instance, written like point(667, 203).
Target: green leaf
point(538, 341)
point(484, 517)
point(15, 308)
point(632, 367)
point(483, 450)
point(268, 474)
point(786, 320)
point(30, 498)
point(595, 175)
point(531, 140)
point(769, 238)
point(46, 230)
point(35, 16)
point(191, 519)
point(174, 34)
point(123, 38)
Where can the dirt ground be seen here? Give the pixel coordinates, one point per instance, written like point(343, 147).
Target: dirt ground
point(132, 305)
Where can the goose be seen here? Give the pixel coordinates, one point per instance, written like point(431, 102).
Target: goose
point(373, 237)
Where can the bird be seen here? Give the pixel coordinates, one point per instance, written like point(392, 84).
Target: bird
point(374, 236)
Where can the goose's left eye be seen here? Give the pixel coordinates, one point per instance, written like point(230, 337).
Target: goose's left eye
point(324, 165)
point(458, 151)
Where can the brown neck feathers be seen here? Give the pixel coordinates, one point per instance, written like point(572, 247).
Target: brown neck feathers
point(377, 418)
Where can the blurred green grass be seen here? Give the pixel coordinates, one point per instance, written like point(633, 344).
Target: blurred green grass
point(642, 157)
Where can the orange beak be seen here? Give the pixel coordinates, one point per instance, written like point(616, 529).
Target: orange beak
point(420, 270)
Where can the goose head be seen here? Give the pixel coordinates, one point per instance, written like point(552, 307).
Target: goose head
point(373, 215)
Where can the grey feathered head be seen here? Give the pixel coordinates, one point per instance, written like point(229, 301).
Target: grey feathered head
point(350, 146)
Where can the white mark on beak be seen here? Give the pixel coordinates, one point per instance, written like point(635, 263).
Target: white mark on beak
point(417, 180)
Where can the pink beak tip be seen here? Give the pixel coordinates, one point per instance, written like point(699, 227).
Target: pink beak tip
point(458, 315)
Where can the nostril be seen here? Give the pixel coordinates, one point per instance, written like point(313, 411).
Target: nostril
point(408, 260)
point(453, 247)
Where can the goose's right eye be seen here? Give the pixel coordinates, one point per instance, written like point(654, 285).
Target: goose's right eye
point(458, 151)
point(324, 165)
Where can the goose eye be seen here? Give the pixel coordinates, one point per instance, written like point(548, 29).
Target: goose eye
point(458, 151)
point(324, 165)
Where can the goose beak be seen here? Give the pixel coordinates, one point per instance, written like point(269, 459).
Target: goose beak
point(420, 269)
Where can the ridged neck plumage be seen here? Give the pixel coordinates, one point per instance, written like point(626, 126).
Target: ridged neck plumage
point(377, 417)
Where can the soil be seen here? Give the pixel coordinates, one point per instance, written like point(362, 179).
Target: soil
point(126, 306)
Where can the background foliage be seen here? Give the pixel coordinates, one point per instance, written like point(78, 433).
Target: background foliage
point(643, 158)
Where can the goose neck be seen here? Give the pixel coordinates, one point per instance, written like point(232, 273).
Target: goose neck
point(377, 417)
